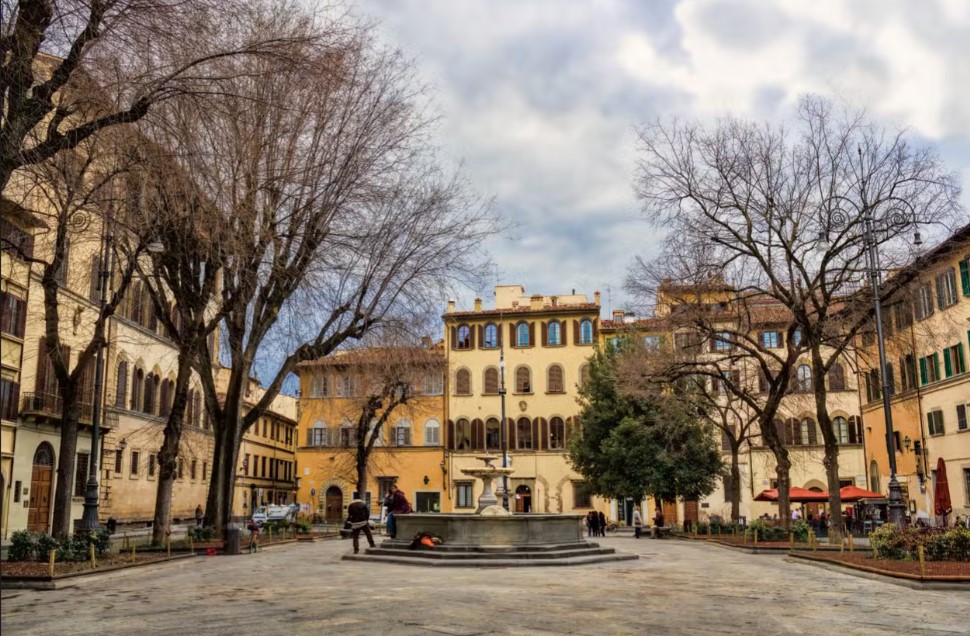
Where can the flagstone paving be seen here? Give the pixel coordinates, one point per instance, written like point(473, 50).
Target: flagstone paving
point(675, 588)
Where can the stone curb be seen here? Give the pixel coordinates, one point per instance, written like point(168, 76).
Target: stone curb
point(58, 580)
point(851, 570)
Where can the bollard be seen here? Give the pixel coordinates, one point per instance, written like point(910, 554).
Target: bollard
point(191, 543)
point(851, 544)
point(791, 539)
point(814, 543)
point(132, 551)
point(94, 562)
point(50, 566)
point(756, 538)
point(270, 534)
point(922, 561)
point(842, 546)
point(168, 543)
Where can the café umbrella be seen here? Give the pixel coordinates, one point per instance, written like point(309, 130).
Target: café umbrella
point(795, 494)
point(942, 505)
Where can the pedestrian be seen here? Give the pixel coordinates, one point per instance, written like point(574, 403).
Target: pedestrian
point(602, 520)
point(637, 522)
point(658, 522)
point(358, 515)
point(198, 515)
point(399, 506)
point(594, 524)
point(253, 537)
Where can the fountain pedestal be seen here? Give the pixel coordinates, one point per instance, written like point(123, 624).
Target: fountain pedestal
point(488, 502)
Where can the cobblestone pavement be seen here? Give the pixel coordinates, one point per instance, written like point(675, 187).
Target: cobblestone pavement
point(675, 588)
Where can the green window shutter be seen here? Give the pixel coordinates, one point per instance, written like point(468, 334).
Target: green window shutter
point(947, 363)
point(961, 363)
point(936, 365)
point(922, 370)
point(965, 276)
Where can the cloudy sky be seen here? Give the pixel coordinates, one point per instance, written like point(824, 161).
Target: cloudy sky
point(540, 99)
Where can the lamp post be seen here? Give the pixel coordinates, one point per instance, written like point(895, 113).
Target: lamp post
point(503, 436)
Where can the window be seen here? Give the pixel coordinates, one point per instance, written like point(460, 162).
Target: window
point(135, 456)
point(965, 285)
point(840, 426)
point(463, 382)
point(807, 432)
point(490, 381)
point(245, 465)
point(13, 315)
point(554, 335)
point(721, 342)
point(119, 456)
point(727, 379)
point(464, 339)
point(491, 336)
point(771, 339)
point(401, 433)
point(554, 381)
point(523, 379)
point(727, 436)
point(346, 430)
point(17, 486)
point(929, 368)
point(962, 416)
point(9, 399)
point(907, 367)
point(345, 386)
point(904, 314)
point(836, 377)
point(583, 375)
point(728, 487)
point(873, 385)
point(17, 242)
point(690, 341)
point(946, 288)
point(148, 404)
point(319, 386)
point(582, 496)
point(432, 433)
point(924, 301)
point(796, 337)
point(463, 434)
point(178, 467)
point(463, 494)
point(953, 362)
point(803, 379)
point(192, 469)
point(651, 343)
point(152, 462)
point(317, 434)
point(934, 421)
point(523, 434)
point(966, 483)
point(81, 474)
point(433, 384)
point(586, 331)
point(493, 433)
point(522, 335)
point(557, 434)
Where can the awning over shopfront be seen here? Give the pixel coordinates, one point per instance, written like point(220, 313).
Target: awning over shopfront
point(854, 493)
point(798, 495)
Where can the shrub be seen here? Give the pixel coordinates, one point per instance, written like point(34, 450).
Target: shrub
point(201, 534)
point(800, 529)
point(45, 543)
point(889, 542)
point(23, 545)
point(303, 526)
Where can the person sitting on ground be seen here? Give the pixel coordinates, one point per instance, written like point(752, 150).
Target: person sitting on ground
point(358, 515)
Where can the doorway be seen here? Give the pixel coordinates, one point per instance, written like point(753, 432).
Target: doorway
point(690, 514)
point(523, 499)
point(41, 476)
point(335, 505)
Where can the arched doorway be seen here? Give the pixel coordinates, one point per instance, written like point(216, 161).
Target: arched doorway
point(523, 499)
point(41, 477)
point(334, 505)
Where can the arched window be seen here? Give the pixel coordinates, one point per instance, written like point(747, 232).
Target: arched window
point(803, 379)
point(432, 384)
point(840, 426)
point(148, 403)
point(554, 334)
point(464, 337)
point(346, 434)
point(491, 336)
point(493, 434)
point(807, 432)
point(522, 335)
point(163, 404)
point(463, 434)
point(523, 379)
point(586, 331)
point(490, 381)
point(583, 376)
point(874, 477)
point(554, 380)
point(44, 455)
point(196, 408)
point(137, 382)
point(317, 435)
point(401, 433)
point(432, 433)
point(523, 434)
point(463, 382)
point(557, 434)
point(836, 377)
point(121, 385)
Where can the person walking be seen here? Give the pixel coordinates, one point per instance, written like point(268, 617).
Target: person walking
point(637, 522)
point(358, 515)
point(602, 524)
point(399, 506)
point(253, 537)
point(198, 515)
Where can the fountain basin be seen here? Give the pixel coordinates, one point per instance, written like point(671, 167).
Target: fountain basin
point(476, 531)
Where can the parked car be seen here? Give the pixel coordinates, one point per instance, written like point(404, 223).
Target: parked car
point(266, 514)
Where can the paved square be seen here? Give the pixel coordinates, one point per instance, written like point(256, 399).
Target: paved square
point(675, 588)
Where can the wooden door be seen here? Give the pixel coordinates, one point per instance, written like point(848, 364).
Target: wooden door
point(690, 511)
point(40, 498)
point(335, 505)
point(523, 499)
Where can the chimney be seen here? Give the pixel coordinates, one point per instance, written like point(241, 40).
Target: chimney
point(618, 315)
point(478, 305)
point(555, 300)
point(451, 305)
point(596, 297)
point(535, 301)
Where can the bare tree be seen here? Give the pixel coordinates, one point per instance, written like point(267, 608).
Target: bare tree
point(323, 180)
point(136, 53)
point(787, 216)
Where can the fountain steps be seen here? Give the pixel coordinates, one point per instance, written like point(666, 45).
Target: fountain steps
point(397, 545)
point(430, 558)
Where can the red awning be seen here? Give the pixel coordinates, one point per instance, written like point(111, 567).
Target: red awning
point(854, 493)
point(794, 494)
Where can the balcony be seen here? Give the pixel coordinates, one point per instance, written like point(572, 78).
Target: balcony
point(47, 406)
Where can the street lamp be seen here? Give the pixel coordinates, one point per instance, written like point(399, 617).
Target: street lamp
point(502, 434)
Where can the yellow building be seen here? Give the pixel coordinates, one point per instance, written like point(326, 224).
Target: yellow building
point(543, 343)
point(927, 327)
point(334, 392)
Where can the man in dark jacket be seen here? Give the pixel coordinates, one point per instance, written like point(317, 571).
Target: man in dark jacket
point(399, 506)
point(358, 514)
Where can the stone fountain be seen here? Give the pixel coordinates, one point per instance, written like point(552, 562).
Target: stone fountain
point(492, 537)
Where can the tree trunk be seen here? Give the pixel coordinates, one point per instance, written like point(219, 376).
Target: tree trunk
point(831, 461)
point(782, 470)
point(63, 491)
point(735, 493)
point(168, 455)
point(362, 457)
point(220, 500)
